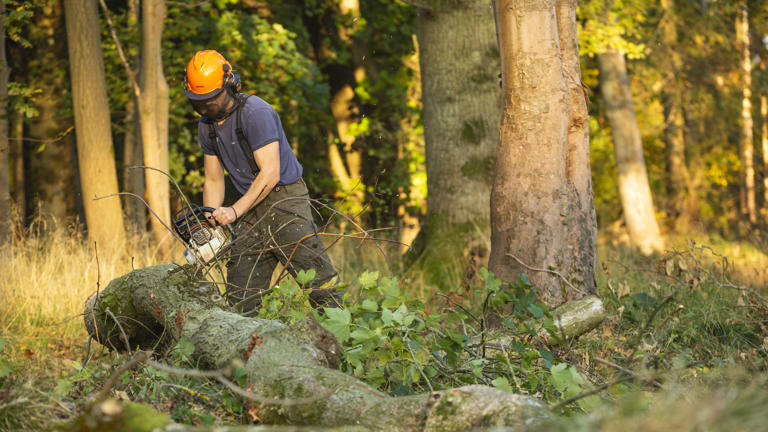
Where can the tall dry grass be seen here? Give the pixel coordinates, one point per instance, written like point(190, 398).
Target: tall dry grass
point(45, 278)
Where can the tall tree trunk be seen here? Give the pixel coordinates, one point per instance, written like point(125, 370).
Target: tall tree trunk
point(462, 109)
point(54, 162)
point(581, 229)
point(764, 142)
point(747, 144)
point(133, 155)
point(681, 196)
point(17, 167)
point(153, 103)
point(5, 147)
point(461, 112)
point(95, 153)
point(634, 190)
point(542, 167)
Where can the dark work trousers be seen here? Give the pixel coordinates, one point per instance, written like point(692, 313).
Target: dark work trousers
point(278, 229)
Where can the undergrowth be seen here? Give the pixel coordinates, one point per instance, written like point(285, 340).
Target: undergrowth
point(674, 323)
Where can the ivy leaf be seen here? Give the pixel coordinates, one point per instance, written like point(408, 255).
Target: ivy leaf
point(338, 322)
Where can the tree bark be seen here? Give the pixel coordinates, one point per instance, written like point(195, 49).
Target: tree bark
point(53, 162)
point(153, 104)
point(96, 159)
point(634, 190)
point(542, 214)
point(461, 109)
point(283, 362)
point(5, 147)
point(747, 145)
point(17, 168)
point(764, 142)
point(133, 154)
point(580, 263)
point(681, 196)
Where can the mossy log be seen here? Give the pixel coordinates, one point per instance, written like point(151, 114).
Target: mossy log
point(162, 304)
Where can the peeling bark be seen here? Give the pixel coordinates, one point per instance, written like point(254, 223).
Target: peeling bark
point(287, 362)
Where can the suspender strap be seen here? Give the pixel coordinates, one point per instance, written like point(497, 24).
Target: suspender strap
point(241, 98)
point(241, 139)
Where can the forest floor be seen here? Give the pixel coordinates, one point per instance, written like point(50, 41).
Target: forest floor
point(684, 345)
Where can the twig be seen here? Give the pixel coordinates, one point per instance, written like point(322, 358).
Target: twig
point(218, 376)
point(418, 365)
point(626, 371)
point(549, 271)
point(120, 53)
point(139, 357)
point(647, 324)
point(125, 337)
point(595, 390)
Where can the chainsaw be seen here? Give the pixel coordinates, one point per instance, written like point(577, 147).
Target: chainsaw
point(205, 237)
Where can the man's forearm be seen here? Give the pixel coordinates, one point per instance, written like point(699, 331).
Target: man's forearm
point(213, 194)
point(262, 185)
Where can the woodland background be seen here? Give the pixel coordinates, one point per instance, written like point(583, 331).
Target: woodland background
point(393, 109)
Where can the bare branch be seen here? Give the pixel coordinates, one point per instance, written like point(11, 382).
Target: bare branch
point(573, 287)
point(119, 46)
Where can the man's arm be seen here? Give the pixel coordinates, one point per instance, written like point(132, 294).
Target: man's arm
point(213, 187)
point(268, 160)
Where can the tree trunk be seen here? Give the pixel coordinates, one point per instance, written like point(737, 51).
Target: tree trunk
point(133, 155)
point(5, 147)
point(747, 144)
point(284, 362)
point(580, 263)
point(53, 163)
point(462, 109)
point(634, 190)
point(92, 124)
point(153, 103)
point(458, 58)
point(764, 142)
point(542, 215)
point(17, 167)
point(681, 196)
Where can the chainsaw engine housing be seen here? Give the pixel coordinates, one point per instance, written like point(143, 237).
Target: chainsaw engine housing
point(205, 237)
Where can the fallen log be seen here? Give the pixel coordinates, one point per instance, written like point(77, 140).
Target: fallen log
point(296, 366)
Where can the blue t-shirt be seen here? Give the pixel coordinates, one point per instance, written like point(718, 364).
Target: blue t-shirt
point(261, 126)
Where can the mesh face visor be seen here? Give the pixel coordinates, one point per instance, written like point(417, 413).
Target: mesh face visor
point(215, 108)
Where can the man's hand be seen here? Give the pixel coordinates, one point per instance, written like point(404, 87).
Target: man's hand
point(225, 215)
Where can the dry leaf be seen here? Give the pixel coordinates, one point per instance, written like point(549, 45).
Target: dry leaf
point(620, 311)
point(122, 395)
point(670, 267)
point(623, 289)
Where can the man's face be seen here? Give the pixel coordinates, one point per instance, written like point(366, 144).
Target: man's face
point(215, 108)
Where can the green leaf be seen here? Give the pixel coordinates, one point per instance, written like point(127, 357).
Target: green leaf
point(387, 317)
point(502, 383)
point(368, 279)
point(370, 305)
point(536, 311)
point(337, 322)
point(305, 277)
point(399, 314)
point(63, 387)
point(5, 368)
point(547, 358)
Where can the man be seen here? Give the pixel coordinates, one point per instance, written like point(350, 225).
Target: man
point(243, 135)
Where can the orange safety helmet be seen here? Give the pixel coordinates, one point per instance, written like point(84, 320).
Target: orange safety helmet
point(207, 74)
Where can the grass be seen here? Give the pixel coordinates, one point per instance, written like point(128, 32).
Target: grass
point(45, 279)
